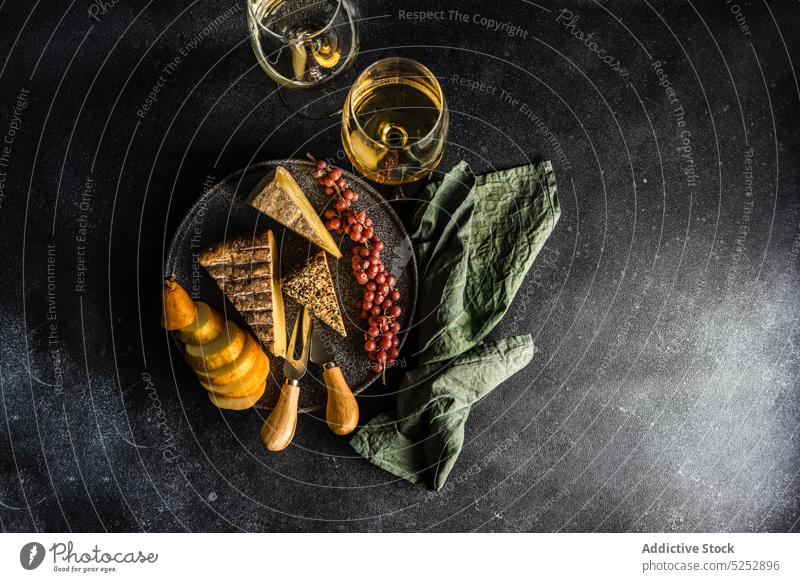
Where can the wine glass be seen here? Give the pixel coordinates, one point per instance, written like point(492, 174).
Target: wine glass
point(395, 121)
point(304, 44)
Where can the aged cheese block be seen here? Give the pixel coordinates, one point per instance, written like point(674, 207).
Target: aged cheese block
point(311, 285)
point(246, 269)
point(279, 197)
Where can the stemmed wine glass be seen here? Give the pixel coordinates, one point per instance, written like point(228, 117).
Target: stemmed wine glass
point(395, 121)
point(305, 45)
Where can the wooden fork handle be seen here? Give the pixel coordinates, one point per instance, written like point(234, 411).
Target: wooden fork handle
point(278, 430)
point(342, 409)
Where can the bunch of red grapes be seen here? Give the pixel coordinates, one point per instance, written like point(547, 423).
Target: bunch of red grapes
point(377, 305)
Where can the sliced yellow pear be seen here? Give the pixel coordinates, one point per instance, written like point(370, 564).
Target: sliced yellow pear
point(222, 350)
point(204, 328)
point(243, 386)
point(279, 196)
point(236, 369)
point(237, 403)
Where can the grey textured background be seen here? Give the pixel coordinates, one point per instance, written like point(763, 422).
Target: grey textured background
point(664, 394)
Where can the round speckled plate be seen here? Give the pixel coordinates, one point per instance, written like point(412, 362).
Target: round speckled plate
point(221, 213)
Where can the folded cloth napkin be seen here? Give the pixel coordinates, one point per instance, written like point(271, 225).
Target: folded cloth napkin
point(475, 238)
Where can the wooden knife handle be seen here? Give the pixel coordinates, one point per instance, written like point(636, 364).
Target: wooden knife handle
point(278, 429)
point(342, 410)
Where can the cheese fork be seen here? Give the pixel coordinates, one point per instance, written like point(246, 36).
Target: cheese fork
point(278, 430)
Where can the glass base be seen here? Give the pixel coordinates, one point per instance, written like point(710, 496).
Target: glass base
point(323, 102)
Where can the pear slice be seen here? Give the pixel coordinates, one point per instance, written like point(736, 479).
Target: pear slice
point(204, 328)
point(237, 403)
point(244, 385)
point(236, 369)
point(311, 286)
point(279, 196)
point(223, 349)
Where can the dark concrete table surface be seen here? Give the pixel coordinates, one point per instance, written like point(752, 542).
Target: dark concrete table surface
point(664, 392)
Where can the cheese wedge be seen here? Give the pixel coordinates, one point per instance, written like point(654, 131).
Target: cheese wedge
point(204, 328)
point(237, 403)
point(222, 350)
point(235, 369)
point(279, 196)
point(311, 285)
point(246, 384)
point(246, 269)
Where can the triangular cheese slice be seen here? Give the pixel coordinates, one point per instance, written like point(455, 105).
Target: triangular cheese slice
point(279, 196)
point(246, 269)
point(311, 286)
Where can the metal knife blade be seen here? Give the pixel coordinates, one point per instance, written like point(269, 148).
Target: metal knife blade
point(295, 368)
point(320, 351)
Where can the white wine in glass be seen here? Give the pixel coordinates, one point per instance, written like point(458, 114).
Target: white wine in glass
point(394, 122)
point(302, 44)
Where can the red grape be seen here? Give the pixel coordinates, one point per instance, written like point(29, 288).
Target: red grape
point(378, 303)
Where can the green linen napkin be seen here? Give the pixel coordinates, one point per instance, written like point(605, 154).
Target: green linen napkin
point(475, 238)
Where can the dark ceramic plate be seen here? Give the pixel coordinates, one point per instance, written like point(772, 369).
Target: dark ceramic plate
point(221, 213)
